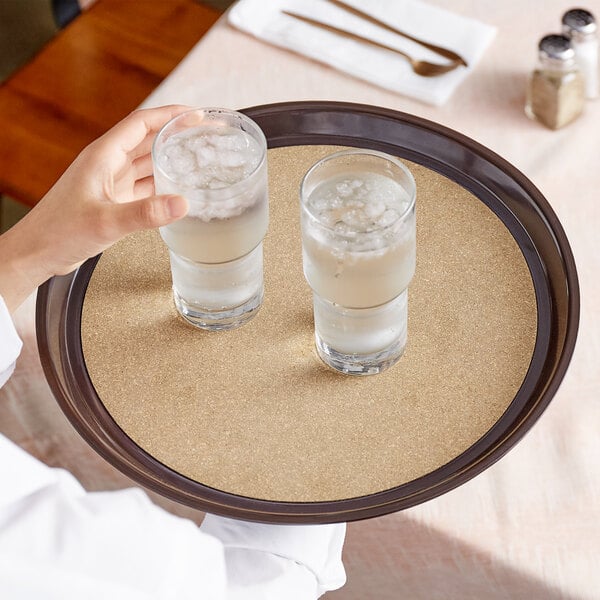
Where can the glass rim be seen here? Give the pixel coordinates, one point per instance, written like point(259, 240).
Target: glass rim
point(211, 110)
point(368, 152)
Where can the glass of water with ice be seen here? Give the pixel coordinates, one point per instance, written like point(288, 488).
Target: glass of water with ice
point(358, 245)
point(217, 159)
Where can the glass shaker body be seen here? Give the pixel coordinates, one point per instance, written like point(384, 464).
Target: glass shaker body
point(580, 27)
point(555, 91)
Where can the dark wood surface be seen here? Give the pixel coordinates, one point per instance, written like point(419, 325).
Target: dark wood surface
point(92, 74)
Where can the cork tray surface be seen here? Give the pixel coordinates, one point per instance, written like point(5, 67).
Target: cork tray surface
point(255, 413)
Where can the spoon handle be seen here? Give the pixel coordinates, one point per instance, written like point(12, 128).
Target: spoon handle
point(371, 19)
point(420, 67)
point(344, 33)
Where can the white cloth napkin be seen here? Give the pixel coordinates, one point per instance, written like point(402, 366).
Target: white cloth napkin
point(468, 37)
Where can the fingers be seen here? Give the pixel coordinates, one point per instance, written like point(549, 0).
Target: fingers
point(143, 188)
point(142, 166)
point(125, 179)
point(134, 128)
point(148, 213)
point(134, 181)
point(124, 151)
point(133, 135)
point(144, 147)
point(142, 179)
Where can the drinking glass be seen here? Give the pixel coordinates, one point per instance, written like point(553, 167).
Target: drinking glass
point(358, 245)
point(216, 158)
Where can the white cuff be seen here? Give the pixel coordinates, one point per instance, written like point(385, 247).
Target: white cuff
point(316, 547)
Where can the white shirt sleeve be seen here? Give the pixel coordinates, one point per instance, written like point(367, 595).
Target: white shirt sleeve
point(59, 542)
point(294, 562)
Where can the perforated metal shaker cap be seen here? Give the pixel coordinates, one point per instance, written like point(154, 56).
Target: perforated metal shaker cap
point(556, 49)
point(579, 24)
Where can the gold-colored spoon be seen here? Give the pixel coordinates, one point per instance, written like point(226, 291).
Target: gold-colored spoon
point(420, 67)
point(445, 52)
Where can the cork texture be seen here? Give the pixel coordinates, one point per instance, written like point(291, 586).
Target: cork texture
point(254, 412)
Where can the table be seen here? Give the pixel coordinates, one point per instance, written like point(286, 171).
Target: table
point(88, 77)
point(528, 527)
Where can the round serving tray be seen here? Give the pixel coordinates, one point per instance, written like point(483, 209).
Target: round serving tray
point(502, 188)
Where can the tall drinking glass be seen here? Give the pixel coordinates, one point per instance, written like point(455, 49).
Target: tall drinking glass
point(216, 158)
point(358, 245)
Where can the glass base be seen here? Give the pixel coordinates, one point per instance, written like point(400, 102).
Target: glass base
point(361, 341)
point(218, 320)
point(218, 296)
point(359, 364)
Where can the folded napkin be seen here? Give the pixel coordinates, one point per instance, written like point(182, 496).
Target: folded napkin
point(467, 37)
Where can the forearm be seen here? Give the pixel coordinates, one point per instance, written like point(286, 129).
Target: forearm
point(24, 265)
point(10, 344)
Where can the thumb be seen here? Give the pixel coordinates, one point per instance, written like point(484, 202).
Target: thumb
point(148, 213)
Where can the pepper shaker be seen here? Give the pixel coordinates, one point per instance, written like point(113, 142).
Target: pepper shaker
point(555, 92)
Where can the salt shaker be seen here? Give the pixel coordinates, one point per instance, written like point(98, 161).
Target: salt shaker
point(580, 26)
point(555, 92)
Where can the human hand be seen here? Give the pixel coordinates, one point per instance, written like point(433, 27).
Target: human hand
point(106, 193)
